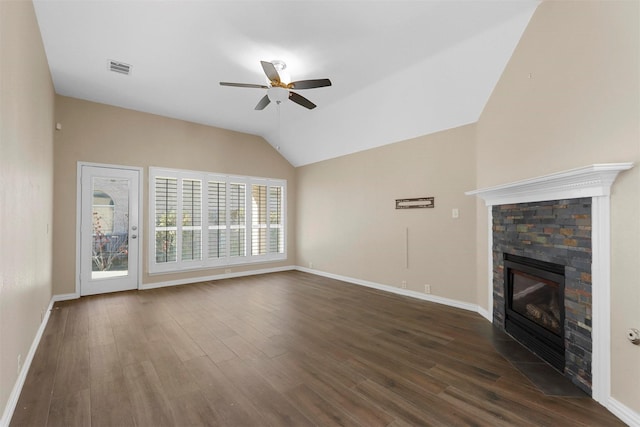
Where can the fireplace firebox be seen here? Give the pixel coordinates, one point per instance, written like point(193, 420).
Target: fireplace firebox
point(534, 306)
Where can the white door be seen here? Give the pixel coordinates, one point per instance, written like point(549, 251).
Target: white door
point(109, 229)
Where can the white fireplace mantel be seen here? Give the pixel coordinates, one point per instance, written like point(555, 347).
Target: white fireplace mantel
point(590, 181)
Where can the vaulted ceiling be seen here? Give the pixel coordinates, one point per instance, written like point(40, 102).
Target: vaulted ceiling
point(399, 69)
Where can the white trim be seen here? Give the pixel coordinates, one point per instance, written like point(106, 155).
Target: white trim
point(590, 181)
point(178, 282)
point(622, 411)
point(78, 222)
point(392, 289)
point(485, 313)
point(490, 263)
point(65, 297)
point(17, 387)
point(600, 299)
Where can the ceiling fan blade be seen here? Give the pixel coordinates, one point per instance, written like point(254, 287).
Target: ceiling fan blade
point(244, 85)
point(263, 103)
point(310, 84)
point(270, 71)
point(301, 100)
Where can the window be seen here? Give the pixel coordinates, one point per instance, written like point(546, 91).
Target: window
point(102, 213)
point(165, 215)
point(237, 219)
point(276, 224)
point(267, 236)
point(191, 219)
point(204, 220)
point(259, 220)
point(217, 218)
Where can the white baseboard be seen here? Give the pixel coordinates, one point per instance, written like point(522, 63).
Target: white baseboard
point(426, 297)
point(17, 387)
point(485, 313)
point(65, 297)
point(214, 277)
point(626, 414)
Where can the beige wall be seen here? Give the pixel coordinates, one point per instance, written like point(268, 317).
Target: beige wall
point(99, 133)
point(26, 190)
point(348, 224)
point(570, 97)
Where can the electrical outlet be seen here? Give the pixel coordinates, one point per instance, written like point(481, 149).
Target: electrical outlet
point(404, 284)
point(19, 363)
point(310, 264)
point(427, 289)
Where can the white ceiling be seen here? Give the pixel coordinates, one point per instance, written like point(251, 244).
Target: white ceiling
point(400, 69)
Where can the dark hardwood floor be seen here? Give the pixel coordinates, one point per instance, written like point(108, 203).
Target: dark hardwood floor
point(279, 349)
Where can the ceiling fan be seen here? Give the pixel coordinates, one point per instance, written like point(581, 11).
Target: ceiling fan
point(279, 91)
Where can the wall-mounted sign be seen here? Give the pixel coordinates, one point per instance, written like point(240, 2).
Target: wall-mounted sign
point(420, 202)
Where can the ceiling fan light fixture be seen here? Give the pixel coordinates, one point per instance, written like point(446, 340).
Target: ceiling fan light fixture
point(277, 94)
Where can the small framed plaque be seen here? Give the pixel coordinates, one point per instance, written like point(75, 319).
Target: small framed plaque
point(417, 203)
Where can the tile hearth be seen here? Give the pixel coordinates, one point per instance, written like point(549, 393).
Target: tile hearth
point(544, 377)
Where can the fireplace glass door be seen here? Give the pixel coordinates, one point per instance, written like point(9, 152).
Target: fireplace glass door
point(538, 300)
point(534, 306)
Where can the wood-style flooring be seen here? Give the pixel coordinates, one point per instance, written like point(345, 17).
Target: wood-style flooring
point(282, 349)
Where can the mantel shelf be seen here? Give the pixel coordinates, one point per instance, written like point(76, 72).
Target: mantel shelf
point(588, 181)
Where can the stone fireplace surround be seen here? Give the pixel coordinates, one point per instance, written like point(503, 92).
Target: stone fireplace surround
point(587, 182)
point(557, 231)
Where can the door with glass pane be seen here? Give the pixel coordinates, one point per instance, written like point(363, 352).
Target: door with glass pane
point(109, 229)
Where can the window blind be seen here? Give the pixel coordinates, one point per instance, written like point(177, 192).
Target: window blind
point(166, 207)
point(191, 219)
point(237, 220)
point(205, 220)
point(259, 219)
point(276, 230)
point(217, 218)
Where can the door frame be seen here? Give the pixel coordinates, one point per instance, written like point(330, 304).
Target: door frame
point(140, 171)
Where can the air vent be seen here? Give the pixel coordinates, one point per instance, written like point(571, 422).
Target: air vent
point(119, 67)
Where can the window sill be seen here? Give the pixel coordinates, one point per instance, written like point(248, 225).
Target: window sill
point(218, 266)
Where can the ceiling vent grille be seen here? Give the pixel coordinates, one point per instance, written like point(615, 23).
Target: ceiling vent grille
point(119, 67)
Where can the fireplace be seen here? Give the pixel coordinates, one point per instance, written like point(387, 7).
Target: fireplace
point(587, 309)
point(534, 306)
point(549, 247)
